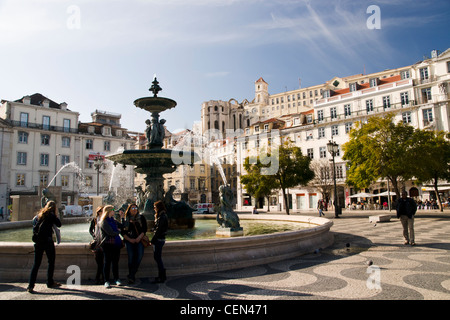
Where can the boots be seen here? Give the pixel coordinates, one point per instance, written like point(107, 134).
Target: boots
point(161, 278)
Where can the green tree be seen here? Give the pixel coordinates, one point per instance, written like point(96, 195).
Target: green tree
point(379, 149)
point(257, 184)
point(431, 158)
point(285, 167)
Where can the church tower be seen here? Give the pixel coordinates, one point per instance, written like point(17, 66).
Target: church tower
point(261, 92)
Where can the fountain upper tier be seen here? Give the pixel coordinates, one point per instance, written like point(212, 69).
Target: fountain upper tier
point(155, 104)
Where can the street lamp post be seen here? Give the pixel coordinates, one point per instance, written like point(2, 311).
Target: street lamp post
point(98, 164)
point(333, 149)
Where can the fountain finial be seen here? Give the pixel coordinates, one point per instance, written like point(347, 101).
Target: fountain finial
point(155, 88)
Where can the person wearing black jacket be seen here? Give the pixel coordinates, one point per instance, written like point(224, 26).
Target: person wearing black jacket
point(159, 239)
point(406, 209)
point(42, 236)
point(134, 228)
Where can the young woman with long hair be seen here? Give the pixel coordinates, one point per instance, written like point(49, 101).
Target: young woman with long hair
point(43, 237)
point(98, 251)
point(111, 244)
point(134, 228)
point(159, 238)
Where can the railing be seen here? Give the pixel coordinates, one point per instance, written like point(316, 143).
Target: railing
point(39, 126)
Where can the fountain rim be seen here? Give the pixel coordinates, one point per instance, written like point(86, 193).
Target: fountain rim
point(320, 223)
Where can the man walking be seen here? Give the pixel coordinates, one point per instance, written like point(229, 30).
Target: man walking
point(406, 209)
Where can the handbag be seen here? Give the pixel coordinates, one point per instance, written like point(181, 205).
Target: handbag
point(145, 240)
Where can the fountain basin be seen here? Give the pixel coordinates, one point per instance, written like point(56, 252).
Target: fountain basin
point(180, 257)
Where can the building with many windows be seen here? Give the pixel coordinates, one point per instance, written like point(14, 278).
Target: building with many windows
point(40, 136)
point(310, 117)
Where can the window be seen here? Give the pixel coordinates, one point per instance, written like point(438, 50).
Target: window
point(347, 110)
point(44, 159)
point(404, 97)
point(88, 181)
point(43, 180)
point(405, 74)
point(65, 160)
point(320, 115)
point(348, 127)
point(24, 119)
point(426, 95)
point(323, 152)
point(21, 158)
point(321, 132)
point(386, 102)
point(310, 153)
point(89, 144)
point(427, 116)
point(45, 139)
point(369, 105)
point(107, 146)
point(334, 131)
point(46, 122)
point(266, 128)
point(406, 117)
point(65, 142)
point(353, 86)
point(448, 66)
point(373, 82)
point(64, 181)
point(333, 112)
point(23, 137)
point(88, 164)
point(256, 129)
point(423, 74)
point(66, 124)
point(20, 179)
point(339, 172)
point(326, 94)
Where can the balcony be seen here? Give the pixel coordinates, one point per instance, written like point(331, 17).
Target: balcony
point(39, 126)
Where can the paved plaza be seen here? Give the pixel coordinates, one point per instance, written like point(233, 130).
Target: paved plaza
point(368, 261)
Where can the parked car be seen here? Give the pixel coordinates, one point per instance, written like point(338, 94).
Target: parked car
point(72, 211)
point(87, 210)
point(204, 208)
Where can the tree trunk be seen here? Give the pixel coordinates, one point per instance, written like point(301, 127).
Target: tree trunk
point(285, 200)
point(435, 184)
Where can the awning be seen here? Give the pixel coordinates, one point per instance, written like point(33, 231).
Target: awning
point(363, 195)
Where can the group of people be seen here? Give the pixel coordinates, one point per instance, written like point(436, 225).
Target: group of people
point(110, 236)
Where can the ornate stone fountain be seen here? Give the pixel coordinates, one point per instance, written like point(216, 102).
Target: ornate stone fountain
point(154, 162)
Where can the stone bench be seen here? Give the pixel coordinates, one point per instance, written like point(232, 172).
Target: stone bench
point(380, 218)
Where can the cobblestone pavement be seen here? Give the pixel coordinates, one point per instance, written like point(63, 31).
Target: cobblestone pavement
point(367, 261)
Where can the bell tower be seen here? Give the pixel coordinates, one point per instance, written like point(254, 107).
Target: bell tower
point(261, 92)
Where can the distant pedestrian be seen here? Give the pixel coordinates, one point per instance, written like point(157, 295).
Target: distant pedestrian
point(94, 230)
point(320, 207)
point(255, 211)
point(111, 244)
point(43, 242)
point(406, 209)
point(159, 239)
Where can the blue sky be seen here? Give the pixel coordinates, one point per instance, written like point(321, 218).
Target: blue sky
point(102, 54)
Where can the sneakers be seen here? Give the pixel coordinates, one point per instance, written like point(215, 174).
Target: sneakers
point(107, 285)
point(118, 283)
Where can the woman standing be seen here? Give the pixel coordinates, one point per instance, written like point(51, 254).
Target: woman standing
point(134, 228)
point(111, 244)
point(159, 239)
point(42, 236)
point(94, 230)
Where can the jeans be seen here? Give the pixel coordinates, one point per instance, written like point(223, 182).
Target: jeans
point(157, 247)
point(135, 253)
point(408, 228)
point(39, 248)
point(111, 254)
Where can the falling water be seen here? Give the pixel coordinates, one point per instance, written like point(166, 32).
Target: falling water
point(206, 151)
point(79, 175)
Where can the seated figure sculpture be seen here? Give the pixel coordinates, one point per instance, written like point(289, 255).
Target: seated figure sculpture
point(226, 217)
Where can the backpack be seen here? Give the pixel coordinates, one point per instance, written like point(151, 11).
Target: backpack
point(37, 234)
